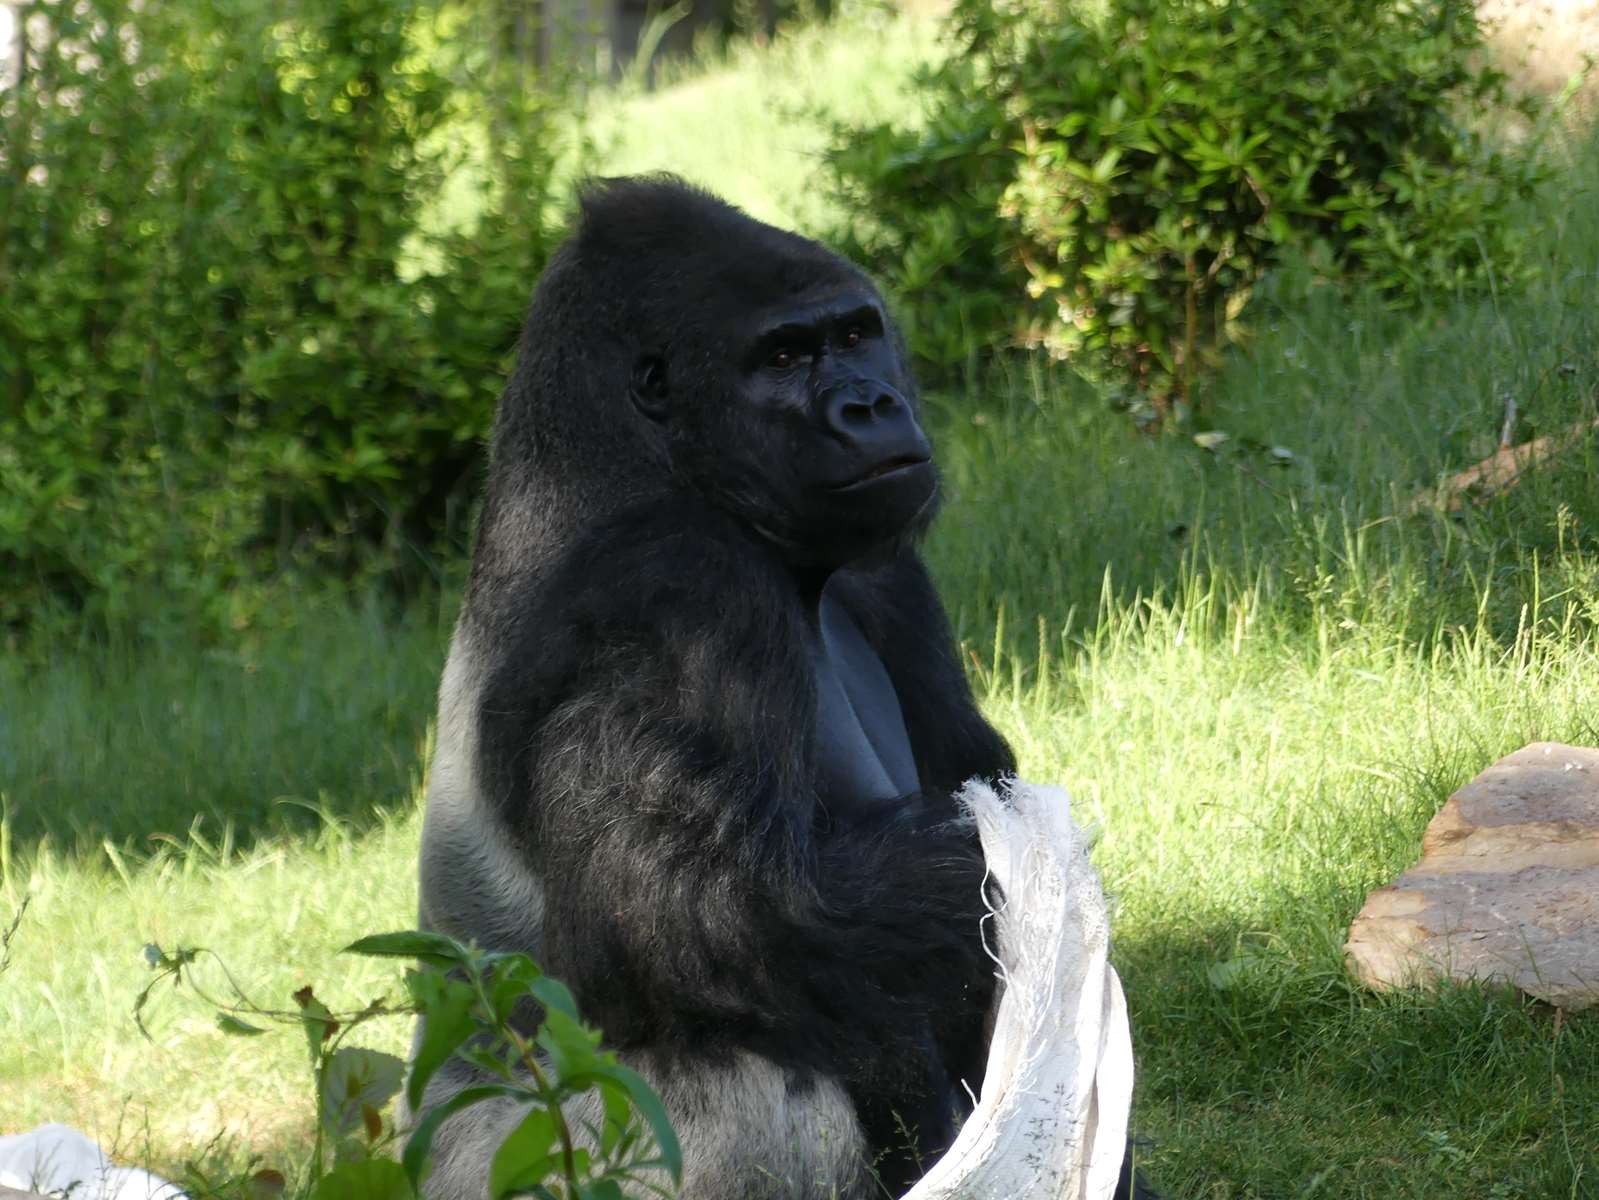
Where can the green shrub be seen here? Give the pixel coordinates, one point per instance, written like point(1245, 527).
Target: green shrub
point(1110, 181)
point(226, 338)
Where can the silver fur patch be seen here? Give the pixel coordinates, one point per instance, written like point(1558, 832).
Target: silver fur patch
point(473, 884)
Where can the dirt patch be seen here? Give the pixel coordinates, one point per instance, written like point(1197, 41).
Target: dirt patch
point(1543, 43)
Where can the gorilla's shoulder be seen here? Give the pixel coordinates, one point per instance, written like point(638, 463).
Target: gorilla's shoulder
point(654, 568)
point(633, 604)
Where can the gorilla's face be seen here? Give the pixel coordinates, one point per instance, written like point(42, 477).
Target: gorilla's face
point(813, 435)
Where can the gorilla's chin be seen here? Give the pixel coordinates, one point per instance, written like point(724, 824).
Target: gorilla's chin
point(868, 518)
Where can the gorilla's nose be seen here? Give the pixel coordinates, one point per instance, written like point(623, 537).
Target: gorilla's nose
point(858, 407)
point(875, 422)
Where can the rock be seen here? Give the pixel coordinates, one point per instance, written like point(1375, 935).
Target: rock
point(1507, 888)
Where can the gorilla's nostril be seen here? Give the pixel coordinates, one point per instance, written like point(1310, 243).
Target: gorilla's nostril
point(857, 413)
point(885, 404)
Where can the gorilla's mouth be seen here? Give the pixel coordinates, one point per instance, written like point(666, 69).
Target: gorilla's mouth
point(889, 466)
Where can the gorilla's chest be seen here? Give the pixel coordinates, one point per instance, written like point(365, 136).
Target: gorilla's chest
point(863, 751)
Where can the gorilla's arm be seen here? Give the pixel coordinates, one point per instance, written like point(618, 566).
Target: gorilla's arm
point(898, 609)
point(693, 894)
point(899, 612)
point(679, 877)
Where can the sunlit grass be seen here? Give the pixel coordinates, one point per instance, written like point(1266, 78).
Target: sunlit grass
point(276, 913)
point(1252, 783)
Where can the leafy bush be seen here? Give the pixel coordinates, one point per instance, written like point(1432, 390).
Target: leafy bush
point(1111, 180)
point(226, 336)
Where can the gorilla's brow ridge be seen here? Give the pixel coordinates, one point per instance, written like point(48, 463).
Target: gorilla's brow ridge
point(804, 325)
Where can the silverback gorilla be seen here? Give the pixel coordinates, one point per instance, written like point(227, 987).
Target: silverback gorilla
point(703, 717)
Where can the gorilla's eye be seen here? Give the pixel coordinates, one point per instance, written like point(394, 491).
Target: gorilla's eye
point(852, 337)
point(782, 359)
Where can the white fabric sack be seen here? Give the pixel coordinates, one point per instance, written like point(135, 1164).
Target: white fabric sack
point(1052, 1124)
point(55, 1159)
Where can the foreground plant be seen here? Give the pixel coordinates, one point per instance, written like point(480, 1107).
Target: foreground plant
point(465, 997)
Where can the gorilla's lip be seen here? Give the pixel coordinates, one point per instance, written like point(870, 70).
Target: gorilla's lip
point(888, 468)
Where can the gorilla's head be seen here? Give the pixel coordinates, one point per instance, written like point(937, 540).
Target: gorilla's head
point(697, 349)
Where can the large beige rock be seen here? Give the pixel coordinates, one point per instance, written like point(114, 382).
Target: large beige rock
point(1507, 888)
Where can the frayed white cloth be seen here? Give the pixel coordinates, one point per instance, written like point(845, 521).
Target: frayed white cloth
point(1052, 1124)
point(57, 1160)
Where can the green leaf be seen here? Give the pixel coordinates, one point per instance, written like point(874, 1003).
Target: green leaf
point(365, 1179)
point(529, 1154)
point(316, 1020)
point(229, 1023)
point(355, 1078)
point(433, 948)
point(554, 996)
point(618, 1113)
point(419, 1146)
point(445, 1006)
point(572, 1046)
point(514, 976)
point(652, 1110)
point(495, 1061)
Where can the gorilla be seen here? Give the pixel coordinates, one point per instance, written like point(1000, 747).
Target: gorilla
point(702, 717)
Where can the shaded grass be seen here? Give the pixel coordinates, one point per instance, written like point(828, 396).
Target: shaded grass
point(122, 742)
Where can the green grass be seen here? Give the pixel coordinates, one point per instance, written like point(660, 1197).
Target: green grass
point(1253, 783)
point(1259, 681)
point(276, 913)
point(757, 124)
point(109, 741)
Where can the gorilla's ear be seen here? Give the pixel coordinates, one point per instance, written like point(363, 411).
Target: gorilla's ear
point(648, 386)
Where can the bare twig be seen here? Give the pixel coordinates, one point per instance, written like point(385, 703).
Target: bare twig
point(11, 932)
point(1509, 426)
point(1500, 471)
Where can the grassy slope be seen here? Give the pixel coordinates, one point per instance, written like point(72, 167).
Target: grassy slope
point(1279, 687)
point(755, 129)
